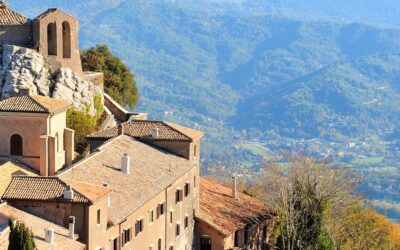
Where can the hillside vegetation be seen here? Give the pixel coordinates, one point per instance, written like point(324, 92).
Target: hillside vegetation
point(305, 76)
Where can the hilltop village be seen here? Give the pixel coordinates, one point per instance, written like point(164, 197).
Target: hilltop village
point(140, 186)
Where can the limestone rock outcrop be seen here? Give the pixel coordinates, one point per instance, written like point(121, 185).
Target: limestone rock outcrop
point(23, 68)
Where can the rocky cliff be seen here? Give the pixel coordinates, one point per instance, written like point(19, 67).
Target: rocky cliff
point(23, 68)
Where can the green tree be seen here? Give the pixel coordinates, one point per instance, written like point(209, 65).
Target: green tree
point(119, 81)
point(21, 237)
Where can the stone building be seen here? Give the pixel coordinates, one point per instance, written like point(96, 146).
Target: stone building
point(53, 33)
point(231, 220)
point(33, 130)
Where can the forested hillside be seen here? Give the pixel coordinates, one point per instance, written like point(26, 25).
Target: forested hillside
point(263, 76)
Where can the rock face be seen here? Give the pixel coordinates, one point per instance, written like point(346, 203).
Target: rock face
point(23, 68)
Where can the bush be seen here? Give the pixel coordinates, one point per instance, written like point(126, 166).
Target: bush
point(119, 81)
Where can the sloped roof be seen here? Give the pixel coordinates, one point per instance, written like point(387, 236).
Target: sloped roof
point(141, 129)
point(224, 213)
point(33, 104)
point(50, 11)
point(49, 189)
point(10, 17)
point(8, 170)
point(151, 171)
point(36, 224)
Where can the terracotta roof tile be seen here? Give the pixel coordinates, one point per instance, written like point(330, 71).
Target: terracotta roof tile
point(40, 189)
point(9, 17)
point(33, 104)
point(8, 170)
point(151, 171)
point(142, 129)
point(61, 239)
point(224, 213)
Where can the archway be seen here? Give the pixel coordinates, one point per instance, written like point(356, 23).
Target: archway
point(66, 39)
point(16, 145)
point(52, 39)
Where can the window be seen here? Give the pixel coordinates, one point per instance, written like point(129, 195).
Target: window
point(194, 181)
point(159, 244)
point(171, 248)
point(98, 217)
point(186, 221)
point(151, 216)
point(205, 243)
point(52, 39)
point(178, 196)
point(66, 29)
point(264, 232)
point(139, 226)
point(187, 189)
point(170, 217)
point(127, 236)
point(16, 145)
point(246, 235)
point(236, 243)
point(177, 230)
point(115, 244)
point(160, 210)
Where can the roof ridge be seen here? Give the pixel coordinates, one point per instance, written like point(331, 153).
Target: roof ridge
point(75, 190)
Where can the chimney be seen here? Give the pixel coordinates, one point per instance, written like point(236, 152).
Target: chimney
point(155, 132)
point(3, 5)
point(121, 129)
point(49, 235)
point(68, 193)
point(71, 220)
point(25, 91)
point(125, 166)
point(234, 187)
point(109, 198)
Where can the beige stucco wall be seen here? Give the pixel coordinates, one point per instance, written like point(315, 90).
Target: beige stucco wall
point(56, 129)
point(30, 127)
point(40, 41)
point(204, 230)
point(97, 232)
point(161, 228)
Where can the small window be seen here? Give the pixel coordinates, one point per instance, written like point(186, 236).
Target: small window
point(138, 227)
point(159, 244)
point(178, 230)
point(187, 189)
point(151, 216)
point(178, 196)
point(115, 244)
point(127, 235)
point(16, 145)
point(160, 210)
point(194, 182)
point(246, 235)
point(236, 240)
point(171, 248)
point(170, 217)
point(98, 217)
point(186, 221)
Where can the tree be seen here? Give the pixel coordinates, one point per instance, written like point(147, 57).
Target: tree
point(119, 81)
point(319, 210)
point(21, 237)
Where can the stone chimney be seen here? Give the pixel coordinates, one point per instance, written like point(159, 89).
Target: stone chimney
point(24, 91)
point(234, 187)
point(125, 163)
point(71, 233)
point(68, 193)
point(155, 132)
point(49, 235)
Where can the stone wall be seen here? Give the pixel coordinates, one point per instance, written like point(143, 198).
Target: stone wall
point(20, 35)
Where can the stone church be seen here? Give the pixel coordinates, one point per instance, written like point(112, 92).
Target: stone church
point(53, 33)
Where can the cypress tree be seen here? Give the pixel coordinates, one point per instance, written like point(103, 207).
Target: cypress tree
point(21, 237)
